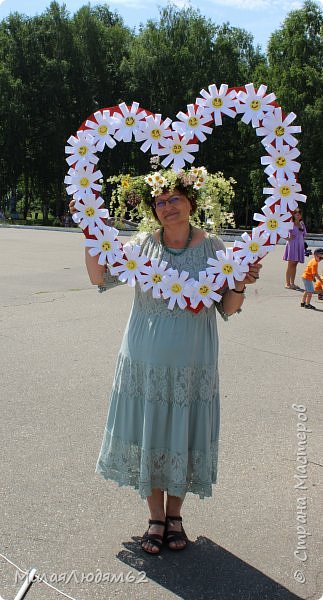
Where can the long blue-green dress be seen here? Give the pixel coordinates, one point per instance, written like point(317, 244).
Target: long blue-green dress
point(162, 427)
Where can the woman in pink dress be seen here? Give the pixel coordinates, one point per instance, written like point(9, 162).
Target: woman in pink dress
point(294, 249)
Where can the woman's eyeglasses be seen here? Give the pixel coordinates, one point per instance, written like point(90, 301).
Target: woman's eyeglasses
point(172, 202)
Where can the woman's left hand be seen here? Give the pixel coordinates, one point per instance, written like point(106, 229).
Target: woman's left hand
point(253, 274)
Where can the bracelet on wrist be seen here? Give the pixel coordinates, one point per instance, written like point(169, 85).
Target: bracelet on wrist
point(239, 291)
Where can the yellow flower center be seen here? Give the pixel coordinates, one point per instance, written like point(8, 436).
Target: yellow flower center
point(193, 121)
point(103, 129)
point(156, 278)
point(84, 182)
point(176, 288)
point(272, 224)
point(255, 104)
point(227, 269)
point(254, 247)
point(155, 134)
point(177, 148)
point(280, 161)
point(89, 211)
point(284, 190)
point(280, 130)
point(82, 150)
point(131, 265)
point(204, 289)
point(106, 246)
point(217, 102)
point(129, 121)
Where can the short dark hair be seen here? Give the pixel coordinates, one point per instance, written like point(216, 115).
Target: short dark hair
point(191, 196)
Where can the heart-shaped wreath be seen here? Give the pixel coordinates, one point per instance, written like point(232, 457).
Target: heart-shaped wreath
point(177, 141)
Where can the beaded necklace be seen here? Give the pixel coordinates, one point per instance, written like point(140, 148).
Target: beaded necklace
point(175, 252)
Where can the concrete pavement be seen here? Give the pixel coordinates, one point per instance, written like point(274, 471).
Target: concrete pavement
point(59, 341)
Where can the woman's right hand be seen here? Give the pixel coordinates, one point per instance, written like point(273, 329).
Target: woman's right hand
point(71, 207)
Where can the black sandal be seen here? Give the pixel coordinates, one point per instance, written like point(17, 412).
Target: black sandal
point(156, 539)
point(174, 536)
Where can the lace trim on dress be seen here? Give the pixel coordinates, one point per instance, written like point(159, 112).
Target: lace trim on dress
point(130, 464)
point(176, 386)
point(109, 282)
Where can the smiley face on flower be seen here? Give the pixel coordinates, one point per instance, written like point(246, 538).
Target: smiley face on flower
point(173, 287)
point(83, 182)
point(254, 105)
point(274, 223)
point(281, 162)
point(130, 266)
point(217, 102)
point(102, 128)
point(90, 213)
point(177, 150)
point(194, 123)
point(106, 245)
point(128, 122)
point(152, 277)
point(81, 150)
point(284, 191)
point(278, 129)
point(154, 132)
point(204, 290)
point(226, 268)
point(253, 247)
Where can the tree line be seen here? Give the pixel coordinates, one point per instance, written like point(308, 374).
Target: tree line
point(56, 69)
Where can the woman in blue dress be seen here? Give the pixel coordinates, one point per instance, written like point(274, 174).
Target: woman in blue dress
point(162, 429)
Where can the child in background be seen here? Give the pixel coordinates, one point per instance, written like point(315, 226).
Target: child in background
point(319, 289)
point(309, 276)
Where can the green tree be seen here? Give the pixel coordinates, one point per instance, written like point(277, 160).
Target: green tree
point(295, 54)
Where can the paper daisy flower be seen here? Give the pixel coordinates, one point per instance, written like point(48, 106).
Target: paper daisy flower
point(154, 133)
point(252, 247)
point(226, 268)
point(90, 213)
point(284, 191)
point(81, 150)
point(192, 124)
point(217, 102)
point(102, 129)
point(152, 277)
point(105, 245)
point(254, 105)
point(130, 266)
point(129, 122)
point(177, 150)
point(203, 290)
point(275, 224)
point(277, 129)
point(281, 162)
point(83, 182)
point(173, 286)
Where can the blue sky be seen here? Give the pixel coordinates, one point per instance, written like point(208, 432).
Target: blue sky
point(259, 17)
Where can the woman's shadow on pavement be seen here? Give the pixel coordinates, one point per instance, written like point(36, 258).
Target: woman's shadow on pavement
point(204, 571)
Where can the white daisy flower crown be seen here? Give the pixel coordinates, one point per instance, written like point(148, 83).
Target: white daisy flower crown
point(177, 143)
point(194, 179)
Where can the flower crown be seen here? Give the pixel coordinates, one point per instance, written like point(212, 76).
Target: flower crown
point(194, 179)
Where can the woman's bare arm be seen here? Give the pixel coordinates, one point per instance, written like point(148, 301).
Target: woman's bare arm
point(96, 272)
